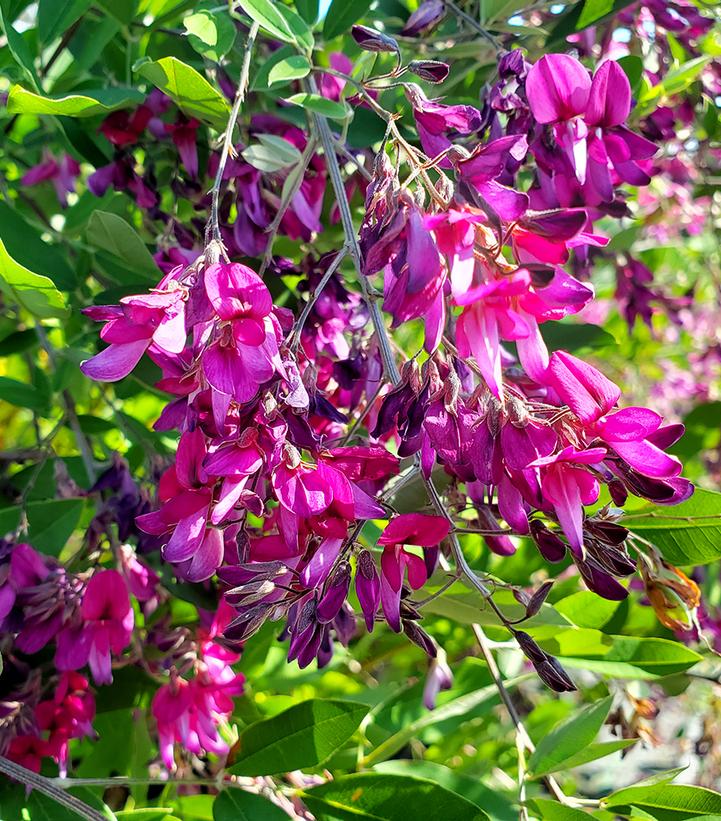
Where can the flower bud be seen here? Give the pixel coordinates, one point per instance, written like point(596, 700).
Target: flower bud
point(432, 71)
point(425, 18)
point(371, 40)
point(552, 547)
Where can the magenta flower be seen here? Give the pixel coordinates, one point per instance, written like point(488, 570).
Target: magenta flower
point(413, 529)
point(438, 124)
point(61, 172)
point(106, 626)
point(190, 713)
point(139, 322)
point(568, 486)
point(184, 135)
point(69, 714)
point(587, 118)
point(582, 387)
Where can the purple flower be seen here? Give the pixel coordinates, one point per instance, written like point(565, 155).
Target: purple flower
point(60, 171)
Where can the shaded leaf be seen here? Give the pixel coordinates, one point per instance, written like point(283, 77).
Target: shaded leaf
point(240, 805)
point(320, 105)
point(685, 800)
point(389, 797)
point(341, 15)
point(111, 234)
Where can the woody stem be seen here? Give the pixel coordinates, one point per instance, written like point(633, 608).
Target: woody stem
point(212, 231)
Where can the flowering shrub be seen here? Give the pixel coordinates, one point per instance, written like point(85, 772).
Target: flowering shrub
point(369, 437)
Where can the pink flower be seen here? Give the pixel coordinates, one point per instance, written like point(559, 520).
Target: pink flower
point(61, 172)
point(139, 322)
point(106, 626)
point(190, 713)
point(586, 391)
point(408, 528)
point(568, 487)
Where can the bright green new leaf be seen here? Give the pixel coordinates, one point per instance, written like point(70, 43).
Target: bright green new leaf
point(189, 89)
point(89, 103)
point(320, 105)
point(35, 293)
point(210, 33)
point(266, 14)
point(291, 68)
point(303, 736)
point(616, 656)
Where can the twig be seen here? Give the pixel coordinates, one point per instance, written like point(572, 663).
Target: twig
point(521, 732)
point(47, 787)
point(294, 338)
point(327, 141)
point(474, 24)
point(212, 230)
point(86, 451)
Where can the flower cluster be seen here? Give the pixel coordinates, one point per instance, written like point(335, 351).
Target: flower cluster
point(267, 493)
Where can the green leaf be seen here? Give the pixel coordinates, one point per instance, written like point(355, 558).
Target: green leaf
point(553, 811)
point(210, 33)
point(111, 234)
point(23, 395)
point(458, 706)
point(305, 735)
point(579, 17)
point(17, 45)
point(26, 245)
point(616, 656)
point(390, 798)
point(239, 805)
point(568, 738)
point(308, 10)
point(272, 154)
point(320, 105)
point(341, 15)
point(469, 787)
point(591, 753)
point(33, 292)
point(686, 801)
point(87, 104)
point(189, 89)
point(689, 533)
point(576, 338)
point(55, 17)
point(266, 14)
point(50, 523)
point(291, 68)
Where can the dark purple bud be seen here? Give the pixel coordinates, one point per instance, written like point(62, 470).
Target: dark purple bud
point(554, 676)
point(334, 595)
point(538, 598)
point(432, 71)
point(601, 582)
point(618, 492)
point(345, 624)
point(419, 636)
point(425, 18)
point(368, 587)
point(552, 548)
point(605, 531)
point(530, 649)
point(371, 40)
point(247, 623)
point(512, 64)
point(549, 670)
